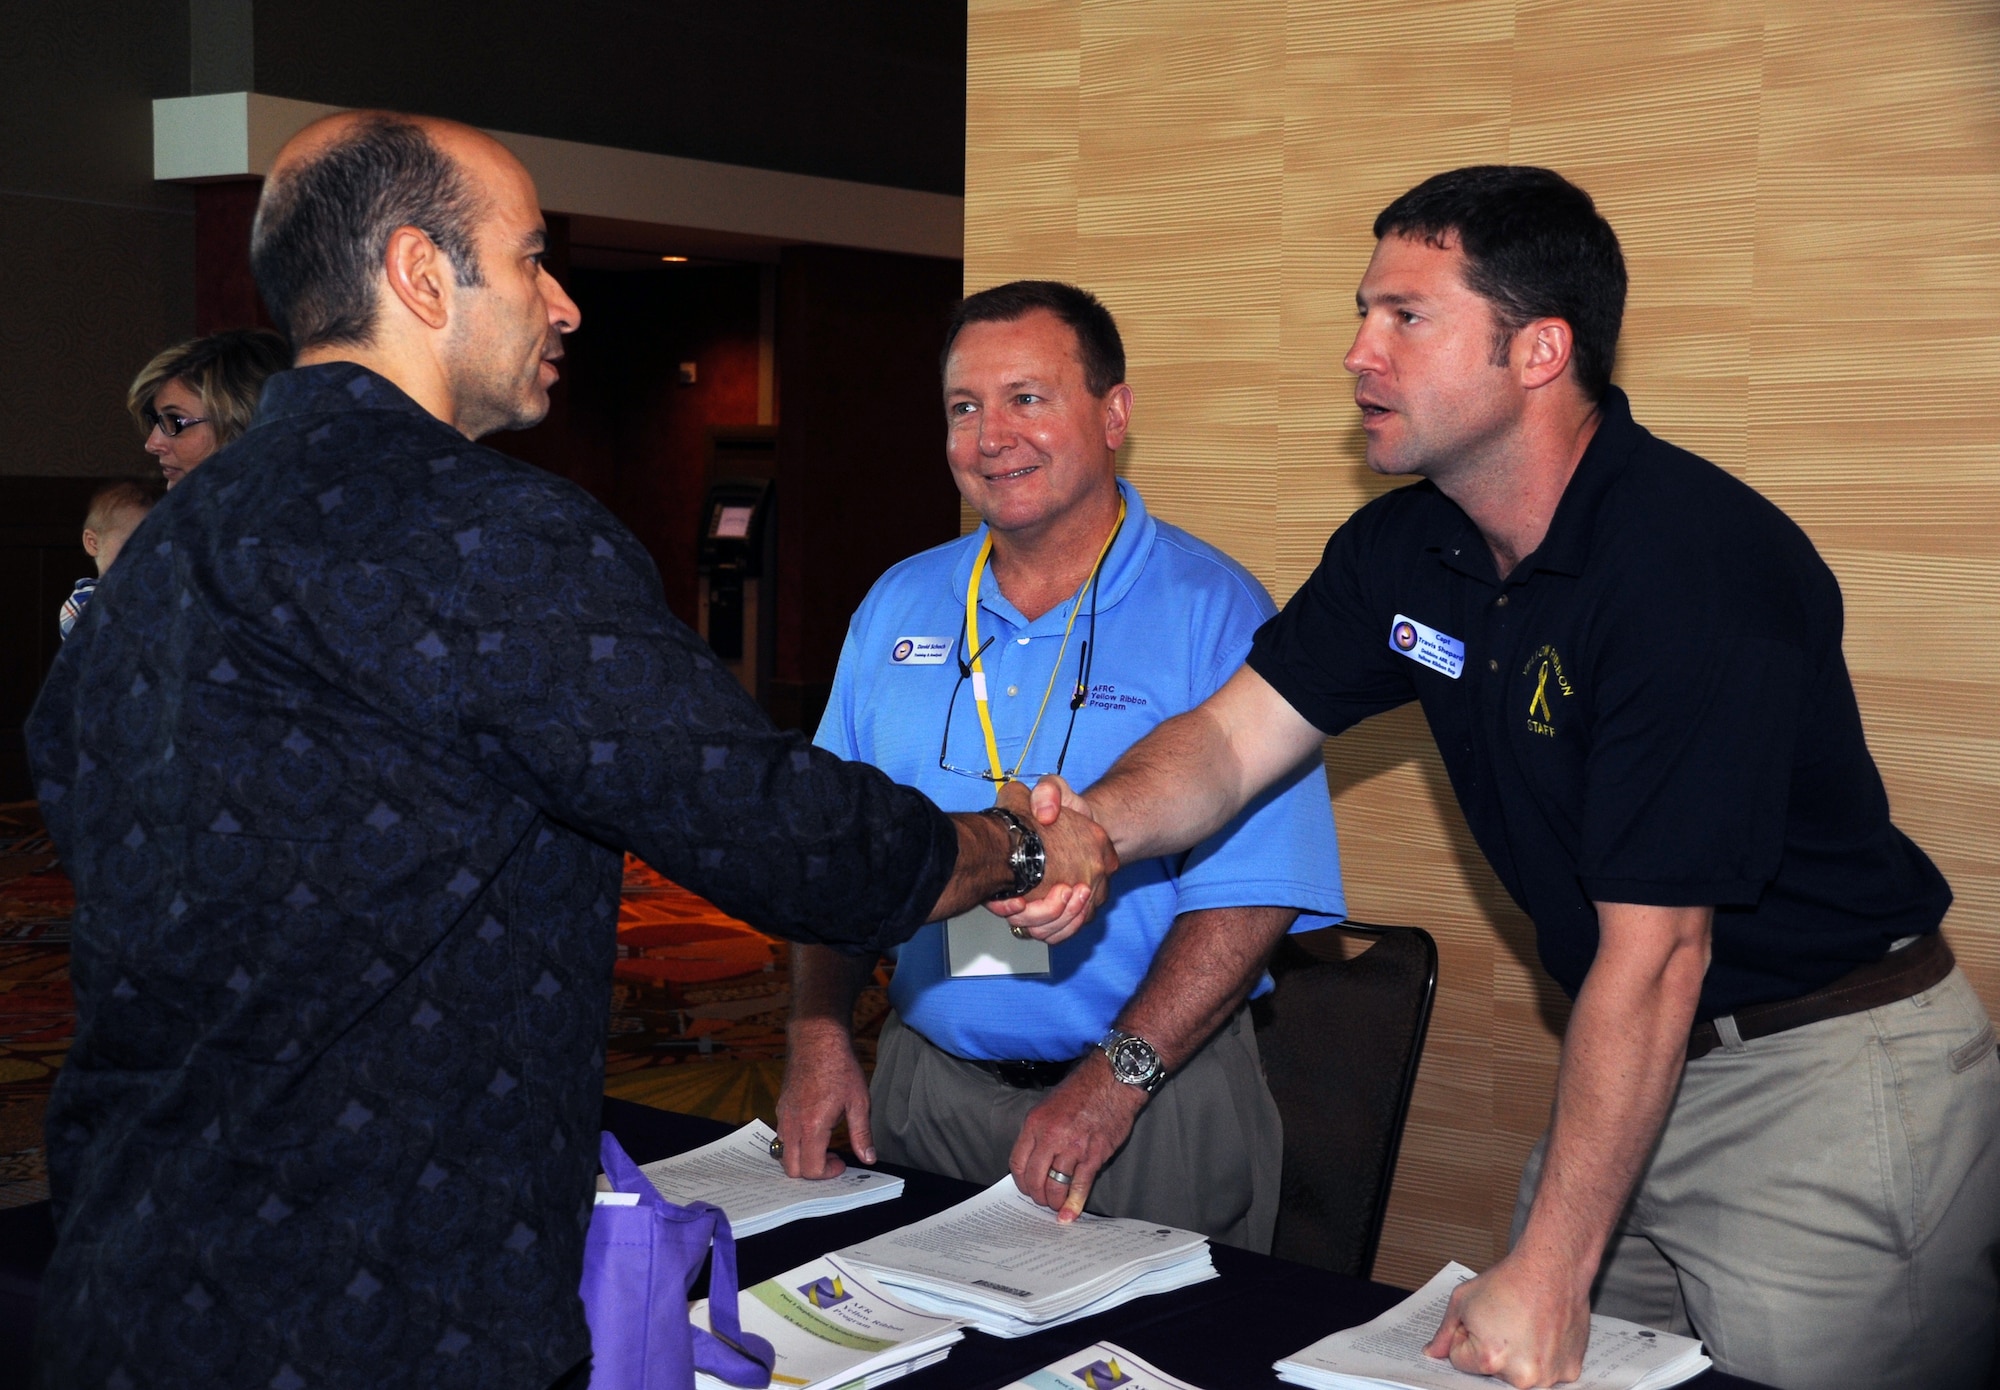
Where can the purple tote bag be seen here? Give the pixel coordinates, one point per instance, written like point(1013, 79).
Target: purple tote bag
point(638, 1264)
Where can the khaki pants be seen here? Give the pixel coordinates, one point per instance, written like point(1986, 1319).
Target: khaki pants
point(1823, 1209)
point(1205, 1154)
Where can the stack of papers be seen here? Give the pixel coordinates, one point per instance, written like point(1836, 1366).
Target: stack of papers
point(1101, 1366)
point(830, 1328)
point(1005, 1264)
point(738, 1174)
point(1388, 1353)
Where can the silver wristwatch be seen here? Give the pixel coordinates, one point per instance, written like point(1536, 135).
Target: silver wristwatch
point(1027, 861)
point(1133, 1060)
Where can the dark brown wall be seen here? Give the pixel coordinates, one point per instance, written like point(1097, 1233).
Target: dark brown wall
point(623, 427)
point(104, 257)
point(225, 294)
point(862, 481)
point(99, 255)
point(873, 92)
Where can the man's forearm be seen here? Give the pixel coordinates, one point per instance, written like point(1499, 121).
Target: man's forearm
point(1621, 1063)
point(1148, 802)
point(1198, 977)
point(981, 872)
point(1190, 776)
point(825, 984)
point(823, 1081)
point(1201, 974)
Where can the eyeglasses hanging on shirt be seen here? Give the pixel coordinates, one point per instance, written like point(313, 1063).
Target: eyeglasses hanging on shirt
point(969, 651)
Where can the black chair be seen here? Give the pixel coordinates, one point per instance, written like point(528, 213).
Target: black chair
point(1341, 1040)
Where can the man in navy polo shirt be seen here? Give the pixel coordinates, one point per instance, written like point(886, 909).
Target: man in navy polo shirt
point(1120, 1068)
point(1777, 1120)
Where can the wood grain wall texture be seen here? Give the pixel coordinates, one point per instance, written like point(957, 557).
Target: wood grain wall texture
point(1809, 198)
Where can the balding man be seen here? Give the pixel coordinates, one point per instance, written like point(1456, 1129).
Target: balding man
point(347, 874)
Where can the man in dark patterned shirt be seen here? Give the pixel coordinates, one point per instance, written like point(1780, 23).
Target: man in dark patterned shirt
point(341, 761)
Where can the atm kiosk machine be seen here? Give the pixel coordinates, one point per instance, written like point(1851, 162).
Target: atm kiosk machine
point(736, 561)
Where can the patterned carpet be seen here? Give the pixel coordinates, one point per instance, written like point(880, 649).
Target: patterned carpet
point(698, 1007)
point(37, 1015)
point(697, 1011)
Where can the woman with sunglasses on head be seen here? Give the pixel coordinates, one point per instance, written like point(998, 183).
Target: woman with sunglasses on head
point(198, 396)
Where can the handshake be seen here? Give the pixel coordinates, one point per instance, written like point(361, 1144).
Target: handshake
point(1080, 860)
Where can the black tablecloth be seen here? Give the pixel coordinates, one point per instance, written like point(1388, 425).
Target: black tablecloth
point(1219, 1335)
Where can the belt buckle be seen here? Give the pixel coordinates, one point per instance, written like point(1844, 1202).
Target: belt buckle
point(1030, 1075)
point(1020, 1075)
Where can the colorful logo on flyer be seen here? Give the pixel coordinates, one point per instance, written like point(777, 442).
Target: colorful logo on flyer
point(825, 1291)
point(1404, 635)
point(1102, 1375)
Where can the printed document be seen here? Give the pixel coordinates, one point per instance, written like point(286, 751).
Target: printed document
point(1388, 1353)
point(738, 1174)
point(1006, 1262)
point(831, 1328)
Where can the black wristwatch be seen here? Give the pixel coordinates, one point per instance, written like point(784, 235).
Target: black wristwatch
point(1133, 1060)
point(1026, 859)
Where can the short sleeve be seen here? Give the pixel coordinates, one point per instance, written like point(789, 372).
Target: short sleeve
point(1327, 653)
point(1687, 783)
point(1280, 851)
point(836, 724)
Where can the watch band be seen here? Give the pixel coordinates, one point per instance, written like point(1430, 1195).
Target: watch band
point(1027, 860)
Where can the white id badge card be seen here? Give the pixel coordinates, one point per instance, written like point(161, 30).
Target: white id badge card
point(978, 943)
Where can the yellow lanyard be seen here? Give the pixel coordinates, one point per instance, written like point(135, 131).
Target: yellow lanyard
point(1000, 772)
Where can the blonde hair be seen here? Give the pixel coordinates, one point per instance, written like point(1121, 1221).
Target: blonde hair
point(113, 498)
point(227, 370)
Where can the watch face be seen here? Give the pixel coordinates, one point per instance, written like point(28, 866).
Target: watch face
point(1133, 1061)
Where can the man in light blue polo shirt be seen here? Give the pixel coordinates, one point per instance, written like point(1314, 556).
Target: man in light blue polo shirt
point(1119, 1068)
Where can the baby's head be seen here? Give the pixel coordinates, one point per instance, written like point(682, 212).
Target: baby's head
point(116, 509)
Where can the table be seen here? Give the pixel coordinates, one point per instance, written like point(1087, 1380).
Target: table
point(1219, 1335)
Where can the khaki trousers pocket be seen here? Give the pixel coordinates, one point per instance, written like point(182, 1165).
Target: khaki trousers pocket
point(1963, 1058)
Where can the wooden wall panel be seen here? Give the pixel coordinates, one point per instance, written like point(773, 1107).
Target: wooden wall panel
point(1354, 127)
point(1023, 58)
point(1182, 239)
point(1874, 417)
point(1809, 199)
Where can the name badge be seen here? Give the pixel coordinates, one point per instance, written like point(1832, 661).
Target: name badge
point(920, 651)
point(1427, 646)
point(978, 943)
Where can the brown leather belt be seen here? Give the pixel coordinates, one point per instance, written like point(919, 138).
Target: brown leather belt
point(1896, 976)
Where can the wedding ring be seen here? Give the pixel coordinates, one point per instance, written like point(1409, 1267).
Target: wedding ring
point(777, 1148)
point(1020, 933)
point(1062, 1178)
